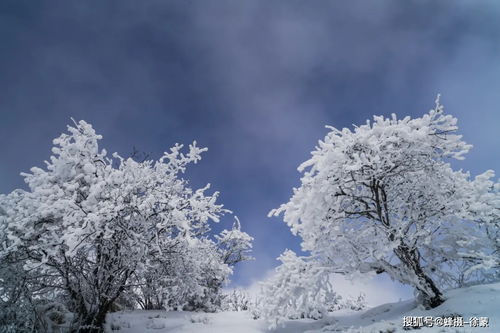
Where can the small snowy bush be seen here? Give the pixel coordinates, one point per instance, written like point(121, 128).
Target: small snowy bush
point(300, 288)
point(236, 300)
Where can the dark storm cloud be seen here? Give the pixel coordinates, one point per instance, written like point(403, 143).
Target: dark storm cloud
point(255, 81)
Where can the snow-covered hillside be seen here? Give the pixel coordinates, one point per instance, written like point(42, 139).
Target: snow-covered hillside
point(472, 302)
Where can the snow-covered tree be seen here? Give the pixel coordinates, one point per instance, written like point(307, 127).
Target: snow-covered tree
point(94, 224)
point(383, 197)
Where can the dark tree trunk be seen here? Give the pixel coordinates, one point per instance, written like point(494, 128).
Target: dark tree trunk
point(431, 295)
point(433, 300)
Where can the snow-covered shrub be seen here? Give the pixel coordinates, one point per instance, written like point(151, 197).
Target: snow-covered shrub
point(91, 224)
point(383, 197)
point(192, 276)
point(299, 288)
point(356, 304)
point(236, 300)
point(348, 302)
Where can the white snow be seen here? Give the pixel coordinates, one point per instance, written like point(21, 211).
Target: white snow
point(476, 301)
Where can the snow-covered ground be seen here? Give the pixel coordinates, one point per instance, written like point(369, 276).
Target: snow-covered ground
point(472, 302)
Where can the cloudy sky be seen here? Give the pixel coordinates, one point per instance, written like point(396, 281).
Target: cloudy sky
point(254, 81)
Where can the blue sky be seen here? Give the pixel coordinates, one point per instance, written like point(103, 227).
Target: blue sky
point(254, 81)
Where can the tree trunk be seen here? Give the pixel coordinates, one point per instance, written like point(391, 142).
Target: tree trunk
point(431, 295)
